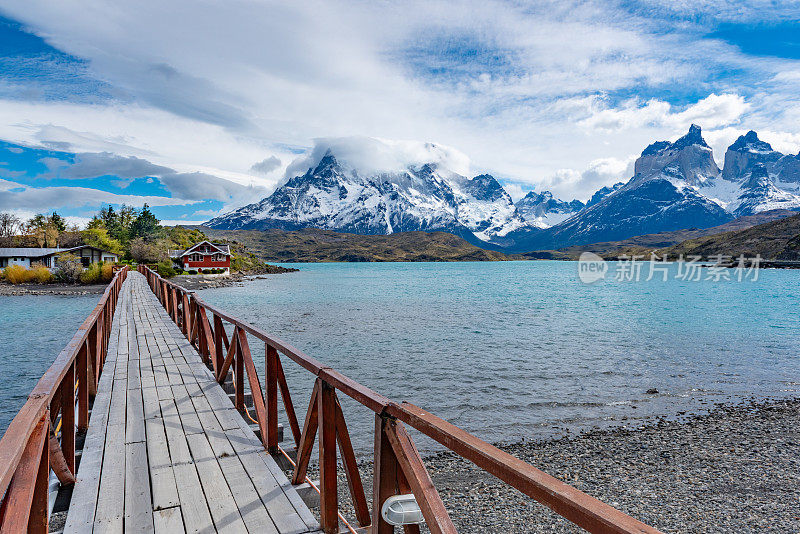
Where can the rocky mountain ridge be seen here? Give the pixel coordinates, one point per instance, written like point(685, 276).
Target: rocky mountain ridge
point(676, 185)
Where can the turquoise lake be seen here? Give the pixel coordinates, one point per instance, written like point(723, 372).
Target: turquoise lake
point(506, 350)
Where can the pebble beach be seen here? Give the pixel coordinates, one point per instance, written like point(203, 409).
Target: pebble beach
point(733, 470)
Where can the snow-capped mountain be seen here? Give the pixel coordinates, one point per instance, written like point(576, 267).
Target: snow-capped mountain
point(662, 195)
point(756, 178)
point(542, 210)
point(381, 187)
point(603, 192)
point(339, 195)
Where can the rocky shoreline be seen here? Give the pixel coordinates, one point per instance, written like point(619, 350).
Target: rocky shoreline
point(196, 282)
point(66, 290)
point(733, 470)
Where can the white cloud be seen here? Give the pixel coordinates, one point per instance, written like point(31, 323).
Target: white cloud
point(517, 191)
point(371, 155)
point(266, 166)
point(570, 183)
point(711, 112)
point(59, 197)
point(213, 87)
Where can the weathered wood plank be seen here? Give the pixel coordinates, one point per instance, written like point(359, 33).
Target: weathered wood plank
point(138, 506)
point(168, 521)
point(223, 506)
point(162, 477)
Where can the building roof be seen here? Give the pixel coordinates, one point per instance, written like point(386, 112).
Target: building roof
point(225, 249)
point(28, 252)
point(38, 252)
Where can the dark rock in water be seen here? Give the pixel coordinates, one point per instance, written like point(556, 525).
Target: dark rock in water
point(652, 391)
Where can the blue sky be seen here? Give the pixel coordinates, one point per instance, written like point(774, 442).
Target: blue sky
point(200, 107)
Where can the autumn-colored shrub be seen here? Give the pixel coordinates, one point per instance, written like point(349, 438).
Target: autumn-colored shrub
point(40, 274)
point(107, 271)
point(17, 274)
point(92, 275)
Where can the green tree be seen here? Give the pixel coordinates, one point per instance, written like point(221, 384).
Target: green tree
point(99, 238)
point(57, 221)
point(43, 230)
point(146, 225)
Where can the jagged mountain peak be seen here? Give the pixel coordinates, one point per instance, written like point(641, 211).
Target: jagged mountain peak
point(693, 137)
point(744, 154)
point(750, 142)
point(688, 160)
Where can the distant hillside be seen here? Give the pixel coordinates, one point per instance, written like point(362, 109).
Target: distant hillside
point(645, 243)
point(777, 240)
point(313, 245)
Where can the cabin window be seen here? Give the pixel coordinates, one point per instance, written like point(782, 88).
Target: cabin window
point(85, 261)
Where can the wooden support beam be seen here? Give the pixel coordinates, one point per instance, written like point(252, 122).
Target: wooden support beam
point(226, 364)
point(306, 444)
point(409, 460)
point(91, 344)
point(255, 385)
point(220, 338)
point(58, 463)
point(291, 414)
point(351, 467)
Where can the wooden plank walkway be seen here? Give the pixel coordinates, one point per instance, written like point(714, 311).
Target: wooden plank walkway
point(166, 451)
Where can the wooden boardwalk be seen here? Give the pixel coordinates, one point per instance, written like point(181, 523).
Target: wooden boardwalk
point(166, 451)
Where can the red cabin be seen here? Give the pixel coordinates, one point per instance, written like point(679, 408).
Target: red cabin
point(203, 257)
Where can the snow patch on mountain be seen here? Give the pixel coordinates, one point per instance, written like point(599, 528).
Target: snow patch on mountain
point(542, 210)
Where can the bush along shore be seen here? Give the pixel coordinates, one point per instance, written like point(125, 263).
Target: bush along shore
point(733, 470)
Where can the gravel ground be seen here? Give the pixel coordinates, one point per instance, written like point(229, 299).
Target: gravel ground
point(195, 282)
point(735, 470)
point(7, 289)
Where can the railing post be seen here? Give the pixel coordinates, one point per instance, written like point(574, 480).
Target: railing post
point(82, 370)
point(238, 371)
point(98, 367)
point(271, 368)
point(220, 344)
point(91, 359)
point(37, 522)
point(384, 483)
point(186, 315)
point(329, 499)
point(68, 417)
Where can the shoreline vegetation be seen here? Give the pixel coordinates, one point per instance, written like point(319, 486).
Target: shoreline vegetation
point(731, 470)
point(135, 235)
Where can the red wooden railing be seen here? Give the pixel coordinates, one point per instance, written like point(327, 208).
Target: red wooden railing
point(398, 468)
point(32, 445)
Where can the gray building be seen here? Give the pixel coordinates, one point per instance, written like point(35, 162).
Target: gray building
point(27, 256)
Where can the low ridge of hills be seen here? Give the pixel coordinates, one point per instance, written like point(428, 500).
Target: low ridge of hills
point(315, 245)
point(649, 242)
point(776, 240)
